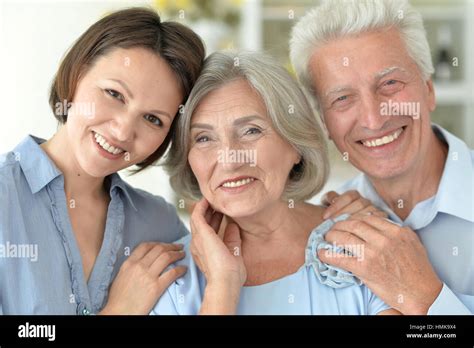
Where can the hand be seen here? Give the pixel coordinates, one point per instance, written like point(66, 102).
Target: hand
point(350, 202)
point(141, 281)
point(389, 259)
point(219, 257)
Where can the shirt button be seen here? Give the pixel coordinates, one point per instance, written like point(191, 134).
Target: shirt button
point(85, 311)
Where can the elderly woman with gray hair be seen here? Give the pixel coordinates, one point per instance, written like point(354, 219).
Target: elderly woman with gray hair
point(249, 143)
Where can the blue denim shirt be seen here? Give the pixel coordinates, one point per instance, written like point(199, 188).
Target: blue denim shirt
point(444, 223)
point(40, 264)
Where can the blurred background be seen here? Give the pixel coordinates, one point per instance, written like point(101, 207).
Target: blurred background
point(34, 36)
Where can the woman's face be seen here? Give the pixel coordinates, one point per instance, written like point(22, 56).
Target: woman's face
point(240, 162)
point(122, 110)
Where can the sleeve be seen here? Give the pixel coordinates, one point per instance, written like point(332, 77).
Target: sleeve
point(374, 304)
point(447, 303)
point(166, 304)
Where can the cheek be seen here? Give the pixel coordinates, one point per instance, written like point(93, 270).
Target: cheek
point(147, 141)
point(199, 167)
point(276, 161)
point(340, 125)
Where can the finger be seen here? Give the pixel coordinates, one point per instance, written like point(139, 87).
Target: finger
point(198, 221)
point(232, 238)
point(346, 240)
point(171, 275)
point(141, 250)
point(354, 207)
point(216, 221)
point(382, 224)
point(200, 208)
point(208, 214)
point(329, 198)
point(371, 210)
point(164, 260)
point(346, 262)
point(157, 250)
point(367, 233)
point(340, 202)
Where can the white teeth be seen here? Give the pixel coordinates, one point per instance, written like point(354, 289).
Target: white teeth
point(106, 146)
point(384, 140)
point(238, 183)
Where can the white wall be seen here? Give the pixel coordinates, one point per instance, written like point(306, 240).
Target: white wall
point(34, 35)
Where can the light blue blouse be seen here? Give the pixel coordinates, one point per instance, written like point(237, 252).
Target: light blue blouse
point(40, 263)
point(445, 225)
point(300, 293)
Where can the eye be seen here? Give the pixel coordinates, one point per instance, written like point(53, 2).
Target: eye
point(153, 119)
point(252, 130)
point(341, 98)
point(114, 94)
point(202, 139)
point(391, 86)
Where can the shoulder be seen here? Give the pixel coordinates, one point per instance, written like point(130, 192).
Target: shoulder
point(183, 296)
point(10, 172)
point(150, 205)
point(149, 214)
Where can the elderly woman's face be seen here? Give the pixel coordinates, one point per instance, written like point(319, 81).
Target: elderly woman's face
point(122, 110)
point(241, 163)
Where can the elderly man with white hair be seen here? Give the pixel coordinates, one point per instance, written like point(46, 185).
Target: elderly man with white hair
point(367, 67)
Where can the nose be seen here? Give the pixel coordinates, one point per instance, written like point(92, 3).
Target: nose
point(123, 127)
point(370, 116)
point(231, 155)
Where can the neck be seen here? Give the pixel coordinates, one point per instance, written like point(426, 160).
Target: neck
point(421, 182)
point(278, 224)
point(77, 183)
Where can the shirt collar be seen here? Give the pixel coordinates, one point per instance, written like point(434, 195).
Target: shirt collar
point(455, 190)
point(39, 169)
point(117, 181)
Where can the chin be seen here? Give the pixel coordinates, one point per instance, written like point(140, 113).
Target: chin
point(236, 210)
point(94, 170)
point(385, 171)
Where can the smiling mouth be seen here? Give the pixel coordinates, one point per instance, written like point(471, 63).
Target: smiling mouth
point(237, 183)
point(100, 140)
point(387, 139)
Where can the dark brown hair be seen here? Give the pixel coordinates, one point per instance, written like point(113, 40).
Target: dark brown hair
point(178, 45)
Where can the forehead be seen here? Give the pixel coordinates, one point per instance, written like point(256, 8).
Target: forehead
point(233, 99)
point(360, 57)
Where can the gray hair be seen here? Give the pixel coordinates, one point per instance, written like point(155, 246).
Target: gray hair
point(335, 18)
point(287, 107)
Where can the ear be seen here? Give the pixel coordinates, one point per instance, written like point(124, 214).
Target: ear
point(431, 97)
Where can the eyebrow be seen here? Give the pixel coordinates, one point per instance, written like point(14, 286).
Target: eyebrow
point(237, 122)
point(337, 90)
point(379, 75)
point(124, 85)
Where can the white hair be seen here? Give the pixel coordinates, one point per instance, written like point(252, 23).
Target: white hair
point(334, 19)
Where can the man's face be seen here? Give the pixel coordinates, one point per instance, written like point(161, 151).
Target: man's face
point(375, 103)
